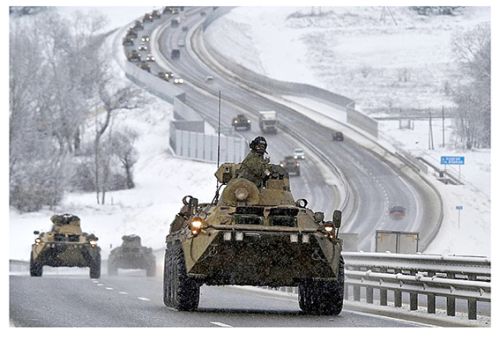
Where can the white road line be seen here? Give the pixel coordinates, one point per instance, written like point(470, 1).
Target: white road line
point(123, 293)
point(220, 324)
point(143, 298)
point(109, 288)
point(100, 284)
point(389, 318)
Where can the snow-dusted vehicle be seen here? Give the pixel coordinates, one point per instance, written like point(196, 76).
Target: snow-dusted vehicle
point(65, 246)
point(132, 255)
point(258, 237)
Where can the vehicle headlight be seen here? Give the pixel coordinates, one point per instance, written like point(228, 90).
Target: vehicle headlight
point(93, 243)
point(328, 227)
point(196, 224)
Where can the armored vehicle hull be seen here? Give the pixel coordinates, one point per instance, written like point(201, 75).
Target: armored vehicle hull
point(131, 255)
point(258, 237)
point(65, 246)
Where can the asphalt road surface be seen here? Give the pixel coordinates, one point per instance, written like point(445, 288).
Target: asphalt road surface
point(71, 299)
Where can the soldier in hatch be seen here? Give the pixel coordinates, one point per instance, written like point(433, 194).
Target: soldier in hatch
point(255, 167)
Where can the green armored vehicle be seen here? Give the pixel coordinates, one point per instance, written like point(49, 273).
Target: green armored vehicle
point(254, 236)
point(65, 246)
point(132, 255)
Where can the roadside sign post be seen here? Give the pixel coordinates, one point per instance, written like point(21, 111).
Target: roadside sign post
point(454, 160)
point(459, 208)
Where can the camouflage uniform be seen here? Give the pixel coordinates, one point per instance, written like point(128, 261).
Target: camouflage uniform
point(254, 168)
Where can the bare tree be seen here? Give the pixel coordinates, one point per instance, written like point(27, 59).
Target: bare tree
point(473, 95)
point(123, 148)
point(112, 100)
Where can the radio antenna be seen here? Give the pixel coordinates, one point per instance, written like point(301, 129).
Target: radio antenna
point(217, 187)
point(218, 136)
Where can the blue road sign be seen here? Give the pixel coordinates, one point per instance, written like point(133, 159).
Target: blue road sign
point(453, 160)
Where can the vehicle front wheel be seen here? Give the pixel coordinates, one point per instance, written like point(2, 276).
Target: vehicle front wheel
point(179, 290)
point(323, 297)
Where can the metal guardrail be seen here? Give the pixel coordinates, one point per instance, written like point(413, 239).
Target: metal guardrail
point(452, 277)
point(183, 141)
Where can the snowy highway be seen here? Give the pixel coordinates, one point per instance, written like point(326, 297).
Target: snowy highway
point(376, 186)
point(132, 300)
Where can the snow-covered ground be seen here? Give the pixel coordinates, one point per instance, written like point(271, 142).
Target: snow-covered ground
point(163, 180)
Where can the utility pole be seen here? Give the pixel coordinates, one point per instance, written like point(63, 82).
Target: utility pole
point(431, 137)
point(442, 115)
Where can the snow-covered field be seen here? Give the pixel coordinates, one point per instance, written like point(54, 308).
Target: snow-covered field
point(163, 180)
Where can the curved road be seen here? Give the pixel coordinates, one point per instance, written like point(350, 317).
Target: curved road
point(375, 184)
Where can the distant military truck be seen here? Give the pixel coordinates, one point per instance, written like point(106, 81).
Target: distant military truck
point(175, 22)
point(127, 41)
point(268, 121)
point(175, 54)
point(144, 66)
point(337, 136)
point(291, 165)
point(241, 122)
point(147, 18)
point(134, 56)
point(132, 255)
point(138, 25)
point(65, 246)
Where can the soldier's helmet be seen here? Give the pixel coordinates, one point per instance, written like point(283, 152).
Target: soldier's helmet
point(259, 145)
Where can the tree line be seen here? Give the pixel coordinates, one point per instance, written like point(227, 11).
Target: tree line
point(63, 102)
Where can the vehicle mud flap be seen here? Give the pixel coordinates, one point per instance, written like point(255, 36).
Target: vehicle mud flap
point(95, 266)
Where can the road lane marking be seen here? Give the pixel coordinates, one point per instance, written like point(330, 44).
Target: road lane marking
point(100, 284)
point(123, 293)
point(109, 288)
point(220, 324)
point(143, 298)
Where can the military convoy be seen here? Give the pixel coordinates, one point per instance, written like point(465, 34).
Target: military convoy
point(132, 255)
point(65, 246)
point(257, 237)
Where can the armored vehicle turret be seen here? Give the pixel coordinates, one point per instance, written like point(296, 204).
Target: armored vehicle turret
point(65, 246)
point(132, 255)
point(254, 236)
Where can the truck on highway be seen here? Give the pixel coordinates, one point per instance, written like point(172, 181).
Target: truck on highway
point(175, 22)
point(268, 121)
point(175, 54)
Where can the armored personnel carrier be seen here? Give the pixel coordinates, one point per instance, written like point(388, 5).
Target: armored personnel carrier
point(132, 255)
point(257, 237)
point(65, 246)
